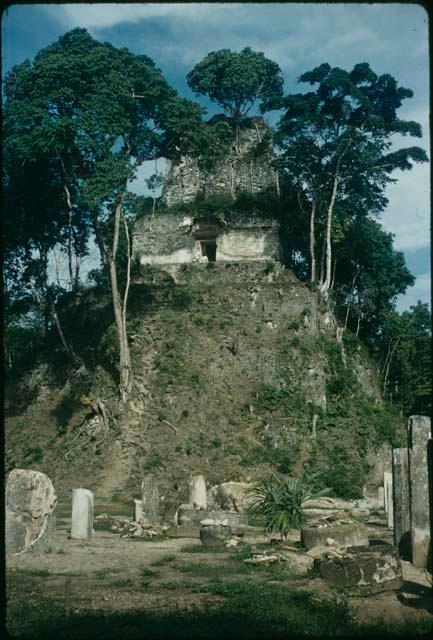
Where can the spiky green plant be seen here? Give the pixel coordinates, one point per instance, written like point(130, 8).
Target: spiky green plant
point(280, 501)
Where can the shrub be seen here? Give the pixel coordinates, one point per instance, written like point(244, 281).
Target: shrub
point(280, 500)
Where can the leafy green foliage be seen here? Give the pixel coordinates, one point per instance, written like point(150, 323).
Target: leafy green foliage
point(235, 81)
point(280, 501)
point(405, 351)
point(335, 153)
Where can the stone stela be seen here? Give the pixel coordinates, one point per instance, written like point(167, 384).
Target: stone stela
point(149, 499)
point(30, 504)
point(412, 493)
point(82, 514)
point(197, 492)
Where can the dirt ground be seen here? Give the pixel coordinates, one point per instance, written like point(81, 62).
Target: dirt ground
point(112, 575)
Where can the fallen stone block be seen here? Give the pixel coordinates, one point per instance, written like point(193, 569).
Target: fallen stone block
point(329, 504)
point(321, 550)
point(262, 559)
point(299, 564)
point(193, 517)
point(183, 531)
point(30, 505)
point(363, 570)
point(347, 535)
point(359, 512)
point(214, 535)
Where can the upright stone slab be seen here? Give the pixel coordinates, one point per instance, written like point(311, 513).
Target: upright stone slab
point(389, 500)
point(30, 505)
point(138, 510)
point(430, 478)
point(400, 480)
point(150, 498)
point(197, 492)
point(418, 436)
point(381, 497)
point(82, 514)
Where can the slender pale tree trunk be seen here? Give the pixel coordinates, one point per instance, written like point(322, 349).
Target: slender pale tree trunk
point(313, 243)
point(325, 286)
point(119, 306)
point(391, 355)
point(69, 350)
point(322, 263)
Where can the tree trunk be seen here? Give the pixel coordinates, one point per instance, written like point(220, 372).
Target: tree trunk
point(120, 308)
point(322, 263)
point(313, 243)
point(325, 286)
point(66, 347)
point(385, 379)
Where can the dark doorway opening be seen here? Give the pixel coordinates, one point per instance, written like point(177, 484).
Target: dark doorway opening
point(208, 249)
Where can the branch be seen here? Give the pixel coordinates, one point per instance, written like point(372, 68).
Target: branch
point(170, 425)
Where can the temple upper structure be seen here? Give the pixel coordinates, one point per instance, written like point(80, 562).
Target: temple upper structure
point(246, 168)
point(173, 237)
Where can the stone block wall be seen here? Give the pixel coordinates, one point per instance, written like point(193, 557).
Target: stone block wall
point(245, 169)
point(174, 239)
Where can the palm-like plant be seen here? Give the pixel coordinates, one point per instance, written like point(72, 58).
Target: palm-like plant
point(280, 500)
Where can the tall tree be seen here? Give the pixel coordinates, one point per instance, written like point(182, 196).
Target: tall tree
point(236, 81)
point(336, 142)
point(96, 113)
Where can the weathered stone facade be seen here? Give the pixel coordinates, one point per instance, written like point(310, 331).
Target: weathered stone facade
point(171, 239)
point(246, 168)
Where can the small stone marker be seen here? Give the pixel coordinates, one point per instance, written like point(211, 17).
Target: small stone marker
point(197, 492)
point(400, 477)
point(30, 505)
point(418, 437)
point(387, 488)
point(82, 514)
point(381, 497)
point(150, 498)
point(138, 511)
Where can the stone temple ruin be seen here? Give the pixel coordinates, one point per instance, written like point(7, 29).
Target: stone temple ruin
point(170, 239)
point(246, 168)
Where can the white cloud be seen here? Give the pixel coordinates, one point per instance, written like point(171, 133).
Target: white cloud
point(103, 16)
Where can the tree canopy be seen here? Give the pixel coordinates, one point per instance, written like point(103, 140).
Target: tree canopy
point(335, 147)
point(235, 81)
point(80, 121)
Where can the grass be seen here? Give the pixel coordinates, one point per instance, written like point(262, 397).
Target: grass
point(215, 570)
point(248, 610)
point(145, 572)
point(243, 609)
point(163, 560)
point(40, 573)
point(199, 548)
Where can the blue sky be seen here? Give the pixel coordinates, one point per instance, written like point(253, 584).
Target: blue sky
point(393, 38)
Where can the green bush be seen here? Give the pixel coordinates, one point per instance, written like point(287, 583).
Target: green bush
point(280, 501)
